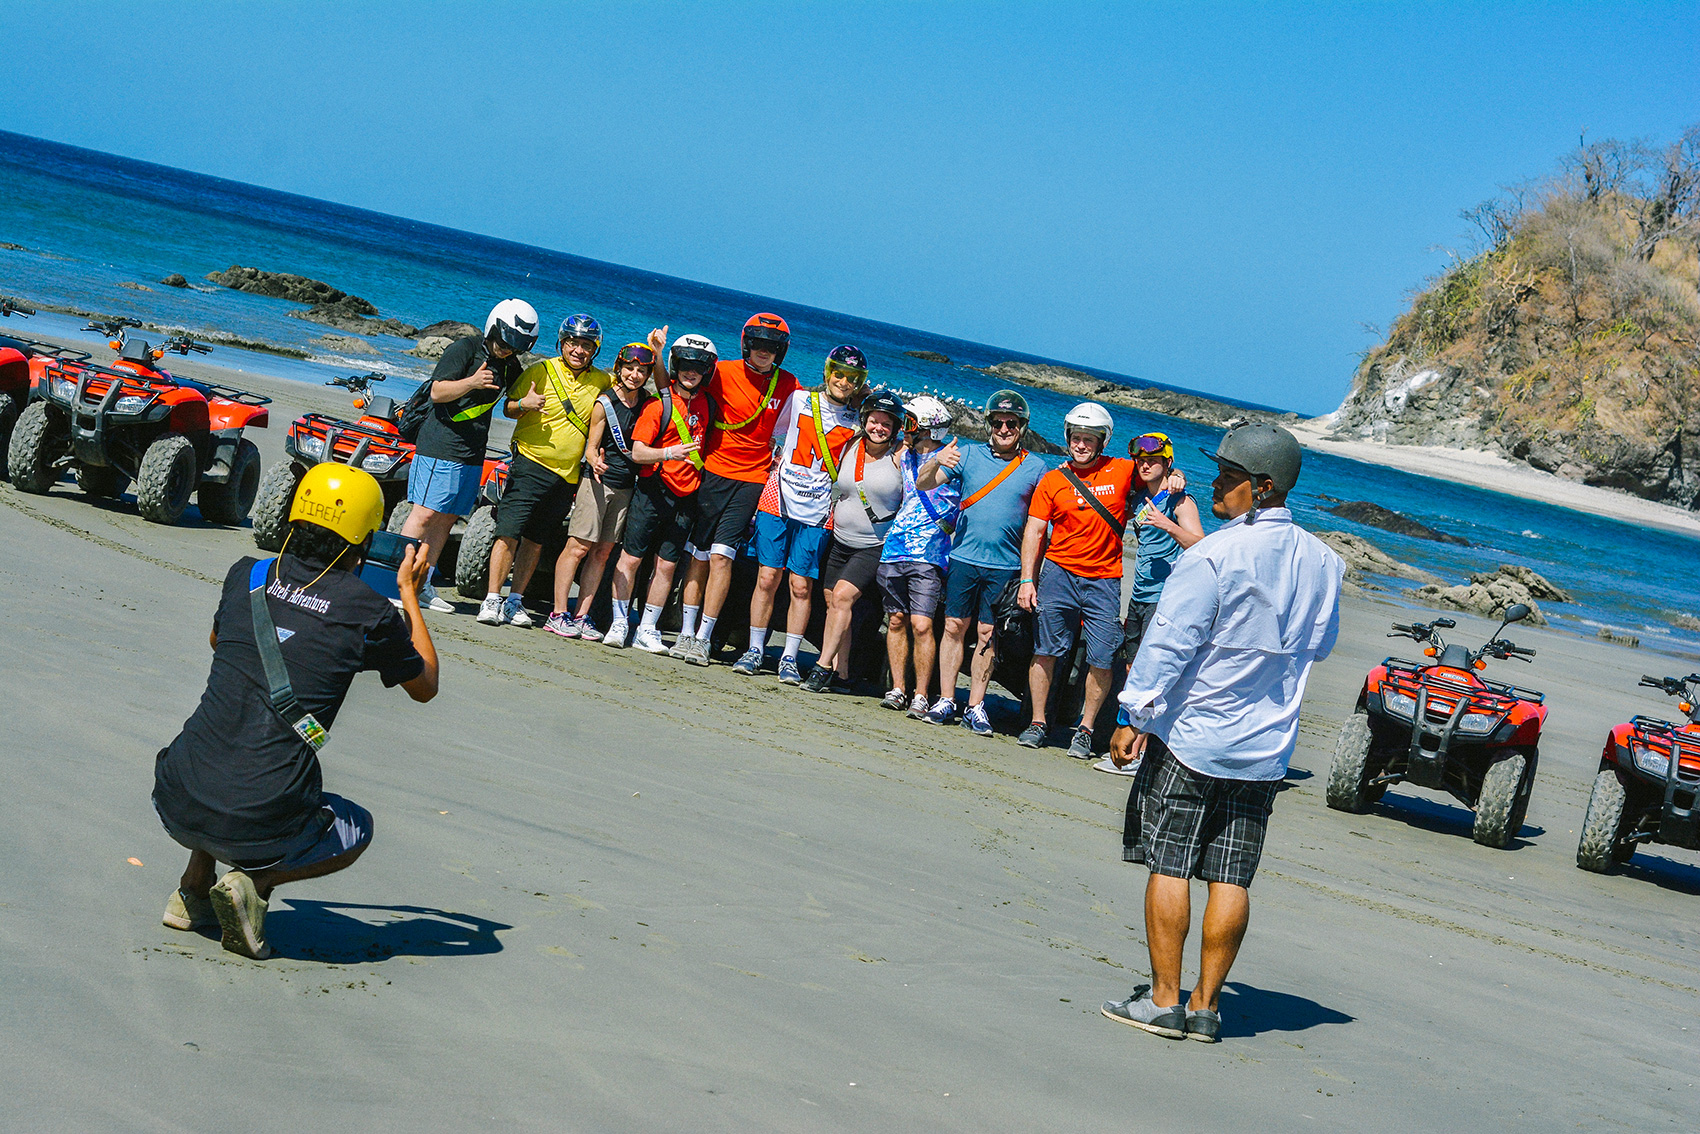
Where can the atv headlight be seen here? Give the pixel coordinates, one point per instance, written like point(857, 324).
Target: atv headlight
point(131, 403)
point(313, 447)
point(64, 388)
point(1653, 763)
point(379, 464)
point(1479, 723)
point(1399, 704)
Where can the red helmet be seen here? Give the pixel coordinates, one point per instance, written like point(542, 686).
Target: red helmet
point(769, 330)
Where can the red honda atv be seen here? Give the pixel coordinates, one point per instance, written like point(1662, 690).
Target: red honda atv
point(174, 437)
point(1641, 794)
point(372, 443)
point(20, 359)
point(1441, 725)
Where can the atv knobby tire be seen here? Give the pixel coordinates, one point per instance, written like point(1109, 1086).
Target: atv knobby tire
point(37, 442)
point(271, 504)
point(166, 478)
point(10, 408)
point(101, 481)
point(1602, 829)
point(472, 567)
point(230, 502)
point(398, 517)
point(1503, 802)
point(1350, 772)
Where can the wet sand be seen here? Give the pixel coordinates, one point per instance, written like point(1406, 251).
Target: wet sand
point(612, 892)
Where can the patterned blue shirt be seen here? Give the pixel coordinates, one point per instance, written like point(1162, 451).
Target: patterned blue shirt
point(915, 536)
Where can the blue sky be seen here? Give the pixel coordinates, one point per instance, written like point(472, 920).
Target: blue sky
point(1217, 197)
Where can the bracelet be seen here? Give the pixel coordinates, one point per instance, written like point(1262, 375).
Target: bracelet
point(1027, 580)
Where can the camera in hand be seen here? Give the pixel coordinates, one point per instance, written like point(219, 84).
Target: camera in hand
point(383, 556)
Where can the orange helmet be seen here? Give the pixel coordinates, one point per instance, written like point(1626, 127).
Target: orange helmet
point(769, 330)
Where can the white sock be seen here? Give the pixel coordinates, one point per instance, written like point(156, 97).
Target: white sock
point(622, 610)
point(688, 624)
point(651, 616)
point(706, 630)
point(493, 595)
point(793, 643)
point(758, 639)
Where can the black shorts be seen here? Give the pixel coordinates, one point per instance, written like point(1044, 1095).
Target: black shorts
point(1184, 824)
point(725, 510)
point(854, 565)
point(658, 521)
point(535, 503)
point(1134, 627)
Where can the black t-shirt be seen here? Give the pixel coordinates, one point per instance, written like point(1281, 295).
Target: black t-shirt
point(238, 775)
point(440, 435)
point(622, 471)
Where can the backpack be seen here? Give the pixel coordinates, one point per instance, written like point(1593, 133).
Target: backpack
point(418, 407)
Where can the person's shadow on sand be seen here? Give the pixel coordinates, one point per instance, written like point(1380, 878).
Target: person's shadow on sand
point(321, 931)
point(1248, 1011)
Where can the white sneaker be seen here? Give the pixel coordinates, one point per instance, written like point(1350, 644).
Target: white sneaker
point(648, 639)
point(616, 635)
point(513, 612)
point(1109, 765)
point(431, 600)
point(490, 611)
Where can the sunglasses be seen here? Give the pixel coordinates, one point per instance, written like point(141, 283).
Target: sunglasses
point(1006, 423)
point(641, 355)
point(848, 373)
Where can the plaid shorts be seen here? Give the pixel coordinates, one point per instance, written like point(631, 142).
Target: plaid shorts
point(1183, 824)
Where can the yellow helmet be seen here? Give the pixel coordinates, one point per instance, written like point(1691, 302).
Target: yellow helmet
point(345, 500)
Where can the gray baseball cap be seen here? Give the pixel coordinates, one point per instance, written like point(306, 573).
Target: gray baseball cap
point(1264, 449)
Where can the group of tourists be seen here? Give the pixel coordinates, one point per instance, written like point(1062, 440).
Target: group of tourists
point(842, 483)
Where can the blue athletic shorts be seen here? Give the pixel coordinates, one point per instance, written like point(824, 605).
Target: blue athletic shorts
point(788, 544)
point(1066, 603)
point(971, 591)
point(443, 486)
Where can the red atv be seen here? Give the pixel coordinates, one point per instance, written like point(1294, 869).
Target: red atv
point(131, 421)
point(372, 443)
point(20, 359)
point(1641, 794)
point(1441, 725)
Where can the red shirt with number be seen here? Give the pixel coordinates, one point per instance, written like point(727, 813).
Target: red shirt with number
point(1081, 542)
point(680, 476)
point(741, 398)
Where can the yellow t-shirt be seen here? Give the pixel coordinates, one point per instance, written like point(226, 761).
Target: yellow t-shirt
point(550, 436)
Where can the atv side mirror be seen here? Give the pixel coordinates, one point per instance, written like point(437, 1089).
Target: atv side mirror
point(1516, 612)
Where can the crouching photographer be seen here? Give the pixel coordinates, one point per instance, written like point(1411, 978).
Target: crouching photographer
point(241, 783)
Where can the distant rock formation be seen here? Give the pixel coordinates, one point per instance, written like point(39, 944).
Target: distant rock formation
point(928, 356)
point(133, 286)
point(446, 328)
point(343, 317)
point(1364, 558)
point(285, 285)
point(1375, 516)
point(343, 344)
point(175, 279)
point(1488, 594)
point(1169, 403)
point(430, 346)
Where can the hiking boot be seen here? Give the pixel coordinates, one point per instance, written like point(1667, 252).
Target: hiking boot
point(489, 612)
point(817, 681)
point(616, 635)
point(648, 639)
point(681, 647)
point(185, 911)
point(1203, 1025)
point(1109, 765)
point(431, 600)
point(789, 674)
point(514, 612)
point(1033, 736)
point(976, 721)
point(587, 631)
point(1081, 746)
point(749, 663)
point(918, 707)
point(1139, 1011)
point(896, 699)
point(942, 712)
point(241, 915)
point(699, 652)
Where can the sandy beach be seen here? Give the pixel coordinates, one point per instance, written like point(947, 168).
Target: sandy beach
point(612, 892)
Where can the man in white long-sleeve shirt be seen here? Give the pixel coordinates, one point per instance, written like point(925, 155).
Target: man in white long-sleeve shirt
point(1211, 711)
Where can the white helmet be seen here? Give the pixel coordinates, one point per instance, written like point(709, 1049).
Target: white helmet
point(1089, 417)
point(694, 352)
point(514, 323)
point(930, 414)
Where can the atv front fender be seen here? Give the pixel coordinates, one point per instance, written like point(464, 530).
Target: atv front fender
point(225, 414)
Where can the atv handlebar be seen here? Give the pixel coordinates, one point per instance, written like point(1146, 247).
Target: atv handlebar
point(356, 383)
point(1670, 686)
point(10, 306)
point(183, 344)
point(110, 327)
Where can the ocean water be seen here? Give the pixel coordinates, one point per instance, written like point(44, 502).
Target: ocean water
point(89, 223)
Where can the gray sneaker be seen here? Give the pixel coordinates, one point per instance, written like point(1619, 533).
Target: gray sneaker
point(895, 699)
point(1081, 746)
point(1033, 736)
point(818, 680)
point(1138, 1010)
point(1203, 1025)
point(699, 652)
point(918, 707)
point(681, 647)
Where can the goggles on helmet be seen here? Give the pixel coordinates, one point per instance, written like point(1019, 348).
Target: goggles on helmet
point(851, 374)
point(635, 352)
point(1152, 445)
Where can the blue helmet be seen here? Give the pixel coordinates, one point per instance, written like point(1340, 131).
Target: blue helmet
point(582, 327)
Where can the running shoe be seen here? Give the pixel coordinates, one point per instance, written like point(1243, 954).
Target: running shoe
point(616, 635)
point(918, 707)
point(648, 639)
point(559, 623)
point(241, 915)
point(789, 674)
point(896, 699)
point(514, 612)
point(185, 911)
point(490, 611)
point(587, 631)
point(1203, 1025)
point(681, 647)
point(431, 600)
point(943, 711)
point(1109, 765)
point(1139, 1011)
point(976, 721)
point(1033, 736)
point(1081, 746)
point(749, 664)
point(699, 652)
point(818, 680)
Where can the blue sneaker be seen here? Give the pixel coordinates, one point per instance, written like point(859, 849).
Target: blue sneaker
point(750, 663)
point(789, 674)
point(942, 712)
point(976, 721)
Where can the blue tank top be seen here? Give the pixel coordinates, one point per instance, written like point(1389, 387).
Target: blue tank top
point(1158, 550)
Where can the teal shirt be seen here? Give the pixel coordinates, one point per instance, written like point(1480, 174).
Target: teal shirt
point(988, 534)
point(1158, 550)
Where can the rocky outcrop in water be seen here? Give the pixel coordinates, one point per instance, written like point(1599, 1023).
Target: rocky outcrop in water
point(429, 346)
point(1169, 403)
point(343, 344)
point(1364, 558)
point(344, 317)
point(928, 356)
point(1489, 593)
point(286, 285)
point(175, 279)
point(450, 329)
point(1375, 516)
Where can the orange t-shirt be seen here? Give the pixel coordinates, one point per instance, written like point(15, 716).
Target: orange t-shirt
point(1081, 542)
point(681, 476)
point(744, 454)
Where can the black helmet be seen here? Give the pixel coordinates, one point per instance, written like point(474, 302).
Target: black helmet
point(882, 401)
point(1008, 401)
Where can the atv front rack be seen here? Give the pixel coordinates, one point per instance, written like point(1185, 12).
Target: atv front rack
point(150, 382)
point(1679, 819)
point(1441, 703)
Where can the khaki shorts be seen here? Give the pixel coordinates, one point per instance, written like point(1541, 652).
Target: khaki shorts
point(599, 514)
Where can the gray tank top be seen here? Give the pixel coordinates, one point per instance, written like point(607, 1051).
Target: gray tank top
point(882, 483)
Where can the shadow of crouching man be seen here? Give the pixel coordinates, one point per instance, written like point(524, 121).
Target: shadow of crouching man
point(1247, 1010)
point(342, 933)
